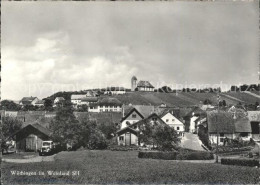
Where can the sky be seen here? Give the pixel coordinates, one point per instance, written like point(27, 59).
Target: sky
point(65, 46)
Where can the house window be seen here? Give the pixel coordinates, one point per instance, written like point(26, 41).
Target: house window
point(173, 120)
point(178, 128)
point(167, 120)
point(121, 138)
point(133, 115)
point(154, 119)
point(221, 139)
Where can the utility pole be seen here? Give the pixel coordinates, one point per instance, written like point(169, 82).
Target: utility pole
point(218, 97)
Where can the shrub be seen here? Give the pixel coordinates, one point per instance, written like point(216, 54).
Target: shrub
point(194, 155)
point(240, 162)
point(158, 155)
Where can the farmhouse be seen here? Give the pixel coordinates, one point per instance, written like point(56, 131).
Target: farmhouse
point(30, 137)
point(224, 124)
point(136, 113)
point(172, 121)
point(78, 100)
point(28, 101)
point(129, 135)
point(105, 105)
point(39, 103)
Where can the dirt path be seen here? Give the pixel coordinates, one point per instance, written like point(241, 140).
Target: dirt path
point(31, 160)
point(191, 141)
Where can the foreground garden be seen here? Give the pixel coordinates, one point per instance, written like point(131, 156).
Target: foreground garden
point(96, 166)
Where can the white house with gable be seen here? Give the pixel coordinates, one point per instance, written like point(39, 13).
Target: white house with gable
point(172, 121)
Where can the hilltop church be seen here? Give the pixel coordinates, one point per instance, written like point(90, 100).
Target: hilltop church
point(141, 85)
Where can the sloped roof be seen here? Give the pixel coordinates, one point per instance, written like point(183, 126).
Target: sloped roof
point(36, 126)
point(27, 100)
point(222, 122)
point(143, 110)
point(243, 125)
point(78, 96)
point(110, 101)
point(144, 84)
point(146, 119)
point(130, 112)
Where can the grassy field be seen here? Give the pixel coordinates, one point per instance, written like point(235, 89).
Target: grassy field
point(183, 99)
point(126, 167)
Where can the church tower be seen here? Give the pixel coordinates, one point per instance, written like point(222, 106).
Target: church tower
point(133, 83)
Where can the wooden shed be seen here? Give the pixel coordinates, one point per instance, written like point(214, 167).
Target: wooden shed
point(30, 137)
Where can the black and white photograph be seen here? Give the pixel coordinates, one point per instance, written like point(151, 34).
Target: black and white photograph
point(130, 92)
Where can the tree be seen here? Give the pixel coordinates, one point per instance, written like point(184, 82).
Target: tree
point(48, 104)
point(65, 127)
point(165, 137)
point(10, 105)
point(161, 135)
point(9, 126)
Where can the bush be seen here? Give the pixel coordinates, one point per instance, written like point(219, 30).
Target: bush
point(240, 162)
point(158, 155)
point(194, 155)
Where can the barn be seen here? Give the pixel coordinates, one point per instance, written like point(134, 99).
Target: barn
point(30, 137)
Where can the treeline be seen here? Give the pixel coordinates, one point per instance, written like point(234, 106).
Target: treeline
point(166, 89)
point(252, 87)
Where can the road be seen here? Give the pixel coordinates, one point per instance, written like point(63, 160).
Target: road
point(191, 141)
point(31, 160)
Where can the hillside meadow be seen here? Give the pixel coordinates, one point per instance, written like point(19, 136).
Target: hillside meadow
point(105, 166)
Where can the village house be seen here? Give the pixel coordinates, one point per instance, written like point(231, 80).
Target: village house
point(39, 103)
point(28, 101)
point(129, 135)
point(79, 100)
point(105, 105)
point(134, 113)
point(224, 123)
point(115, 90)
point(30, 137)
point(173, 122)
point(58, 101)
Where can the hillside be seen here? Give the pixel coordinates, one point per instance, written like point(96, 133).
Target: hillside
point(184, 99)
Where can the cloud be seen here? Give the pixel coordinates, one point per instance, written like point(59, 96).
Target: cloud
point(83, 45)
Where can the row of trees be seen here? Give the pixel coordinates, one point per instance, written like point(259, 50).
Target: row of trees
point(166, 89)
point(252, 87)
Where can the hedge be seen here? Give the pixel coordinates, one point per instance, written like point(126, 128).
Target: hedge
point(240, 162)
point(195, 155)
point(182, 155)
point(157, 155)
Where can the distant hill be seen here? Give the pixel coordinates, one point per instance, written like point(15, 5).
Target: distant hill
point(184, 99)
